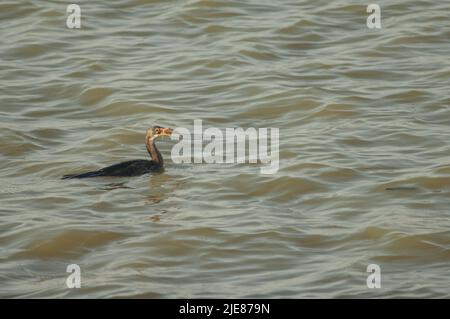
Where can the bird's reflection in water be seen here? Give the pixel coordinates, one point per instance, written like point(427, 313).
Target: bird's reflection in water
point(157, 217)
point(161, 187)
point(112, 186)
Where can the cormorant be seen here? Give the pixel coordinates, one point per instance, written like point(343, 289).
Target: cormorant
point(134, 167)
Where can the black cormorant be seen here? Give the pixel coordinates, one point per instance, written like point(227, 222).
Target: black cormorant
point(134, 167)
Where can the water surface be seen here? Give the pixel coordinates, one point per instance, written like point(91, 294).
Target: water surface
point(364, 157)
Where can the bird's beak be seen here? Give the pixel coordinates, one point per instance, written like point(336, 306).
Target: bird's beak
point(166, 131)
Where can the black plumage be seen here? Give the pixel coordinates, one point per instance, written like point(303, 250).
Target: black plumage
point(134, 167)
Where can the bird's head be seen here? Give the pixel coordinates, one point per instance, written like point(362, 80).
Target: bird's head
point(157, 131)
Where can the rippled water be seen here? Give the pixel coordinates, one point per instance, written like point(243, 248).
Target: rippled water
point(364, 157)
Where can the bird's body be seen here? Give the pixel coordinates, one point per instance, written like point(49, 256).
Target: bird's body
point(133, 167)
point(129, 168)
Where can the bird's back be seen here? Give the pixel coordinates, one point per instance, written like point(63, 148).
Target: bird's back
point(129, 168)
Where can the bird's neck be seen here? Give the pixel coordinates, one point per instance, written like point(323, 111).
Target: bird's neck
point(153, 151)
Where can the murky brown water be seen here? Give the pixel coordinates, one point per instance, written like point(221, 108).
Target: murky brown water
point(365, 149)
